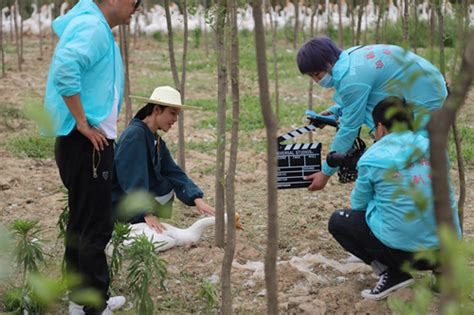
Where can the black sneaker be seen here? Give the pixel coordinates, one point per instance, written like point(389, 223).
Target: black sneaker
point(388, 282)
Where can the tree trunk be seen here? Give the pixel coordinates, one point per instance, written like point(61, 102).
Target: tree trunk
point(174, 70)
point(221, 121)
point(271, 132)
point(297, 21)
point(461, 174)
point(432, 30)
point(406, 37)
point(360, 13)
point(438, 129)
point(2, 52)
point(379, 19)
point(274, 25)
point(38, 5)
point(226, 306)
point(341, 28)
point(311, 82)
point(125, 58)
point(351, 13)
point(415, 26)
point(21, 14)
point(17, 35)
point(439, 12)
point(181, 155)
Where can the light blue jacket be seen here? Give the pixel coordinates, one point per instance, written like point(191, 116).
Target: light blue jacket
point(391, 172)
point(363, 76)
point(86, 61)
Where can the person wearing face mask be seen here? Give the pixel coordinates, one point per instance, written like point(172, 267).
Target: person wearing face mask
point(362, 76)
point(386, 227)
point(143, 161)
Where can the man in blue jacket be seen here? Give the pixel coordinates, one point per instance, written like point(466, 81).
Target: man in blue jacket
point(83, 97)
point(362, 76)
point(392, 215)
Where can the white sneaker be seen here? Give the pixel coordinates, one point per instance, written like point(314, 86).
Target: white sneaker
point(115, 302)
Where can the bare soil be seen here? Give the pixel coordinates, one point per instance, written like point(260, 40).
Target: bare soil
point(30, 189)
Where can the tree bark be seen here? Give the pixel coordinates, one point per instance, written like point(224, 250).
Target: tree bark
point(406, 36)
point(297, 21)
point(17, 35)
point(415, 26)
point(38, 5)
point(432, 29)
point(226, 306)
point(461, 174)
point(181, 155)
point(2, 52)
point(221, 122)
point(438, 128)
point(439, 12)
point(379, 19)
point(125, 58)
point(341, 28)
point(271, 132)
point(360, 13)
point(274, 25)
point(174, 70)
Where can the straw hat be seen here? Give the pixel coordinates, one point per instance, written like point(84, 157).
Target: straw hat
point(164, 95)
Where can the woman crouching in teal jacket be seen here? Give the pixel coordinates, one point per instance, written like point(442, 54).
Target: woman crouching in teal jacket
point(377, 229)
point(143, 161)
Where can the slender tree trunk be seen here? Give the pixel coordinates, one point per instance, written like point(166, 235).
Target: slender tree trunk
point(461, 174)
point(360, 13)
point(21, 14)
point(438, 129)
point(125, 58)
point(351, 13)
point(12, 11)
point(311, 82)
point(271, 131)
point(17, 35)
point(341, 28)
point(439, 12)
point(432, 30)
point(406, 36)
point(226, 306)
point(174, 70)
point(297, 21)
point(204, 36)
point(40, 25)
point(221, 122)
point(379, 19)
point(181, 155)
point(2, 52)
point(415, 26)
point(274, 25)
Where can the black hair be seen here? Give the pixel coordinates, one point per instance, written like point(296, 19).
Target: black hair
point(317, 55)
point(393, 110)
point(147, 110)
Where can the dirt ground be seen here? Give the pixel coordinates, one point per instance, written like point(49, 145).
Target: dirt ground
point(314, 277)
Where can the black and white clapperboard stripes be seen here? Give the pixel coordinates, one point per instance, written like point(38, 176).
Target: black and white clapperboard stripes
point(297, 160)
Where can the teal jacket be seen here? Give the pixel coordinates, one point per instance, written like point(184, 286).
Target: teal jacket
point(365, 75)
point(86, 61)
point(394, 188)
point(139, 166)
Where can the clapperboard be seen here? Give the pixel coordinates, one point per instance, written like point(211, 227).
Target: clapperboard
point(297, 160)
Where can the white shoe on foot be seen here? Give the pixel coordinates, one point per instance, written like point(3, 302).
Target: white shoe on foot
point(76, 309)
point(115, 302)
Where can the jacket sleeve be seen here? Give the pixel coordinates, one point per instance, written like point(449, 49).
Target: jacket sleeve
point(131, 162)
point(363, 191)
point(354, 102)
point(87, 41)
point(186, 190)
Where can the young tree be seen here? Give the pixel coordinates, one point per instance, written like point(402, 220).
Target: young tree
point(360, 13)
point(438, 129)
point(178, 86)
point(40, 27)
point(123, 34)
point(340, 27)
point(17, 33)
point(274, 26)
point(296, 4)
point(405, 21)
point(226, 305)
point(381, 13)
point(2, 52)
point(271, 132)
point(440, 14)
point(221, 121)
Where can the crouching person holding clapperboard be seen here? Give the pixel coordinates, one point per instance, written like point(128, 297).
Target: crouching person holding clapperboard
point(376, 229)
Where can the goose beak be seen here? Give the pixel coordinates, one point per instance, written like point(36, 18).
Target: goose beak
point(238, 225)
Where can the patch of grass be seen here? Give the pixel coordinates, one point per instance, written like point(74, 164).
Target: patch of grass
point(31, 146)
point(467, 143)
point(202, 146)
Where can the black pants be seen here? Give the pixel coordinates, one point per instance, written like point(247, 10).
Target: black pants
point(350, 229)
point(87, 174)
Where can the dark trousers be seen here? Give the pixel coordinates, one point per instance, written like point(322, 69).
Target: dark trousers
point(87, 174)
point(350, 229)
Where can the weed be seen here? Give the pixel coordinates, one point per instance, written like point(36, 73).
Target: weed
point(31, 146)
point(209, 293)
point(119, 235)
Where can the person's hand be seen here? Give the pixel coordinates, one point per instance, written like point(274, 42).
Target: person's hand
point(98, 139)
point(319, 181)
point(203, 207)
point(153, 223)
point(325, 112)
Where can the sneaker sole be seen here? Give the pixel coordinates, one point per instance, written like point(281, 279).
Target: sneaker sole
point(377, 297)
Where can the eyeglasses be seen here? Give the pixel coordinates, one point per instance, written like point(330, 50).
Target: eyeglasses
point(372, 133)
point(137, 4)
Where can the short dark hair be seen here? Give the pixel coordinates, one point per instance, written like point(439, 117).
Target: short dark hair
point(147, 110)
point(317, 54)
point(393, 110)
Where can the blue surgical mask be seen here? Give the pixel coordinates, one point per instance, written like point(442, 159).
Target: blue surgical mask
point(326, 81)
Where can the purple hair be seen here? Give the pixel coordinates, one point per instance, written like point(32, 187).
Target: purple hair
point(316, 54)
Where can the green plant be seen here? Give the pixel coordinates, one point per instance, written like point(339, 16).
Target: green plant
point(64, 216)
point(32, 146)
point(29, 253)
point(119, 235)
point(209, 293)
point(158, 36)
point(145, 266)
point(197, 34)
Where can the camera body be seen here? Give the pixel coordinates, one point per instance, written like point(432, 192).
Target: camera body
point(347, 163)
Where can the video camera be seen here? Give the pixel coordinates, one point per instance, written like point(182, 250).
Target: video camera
point(347, 162)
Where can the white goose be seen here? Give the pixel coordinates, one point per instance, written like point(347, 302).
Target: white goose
point(172, 236)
